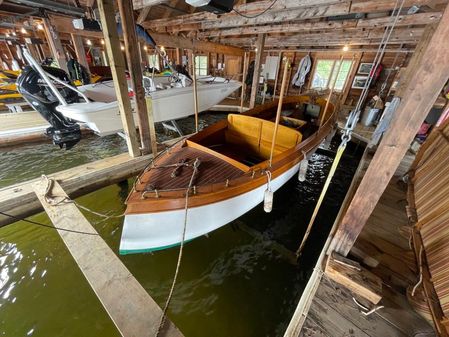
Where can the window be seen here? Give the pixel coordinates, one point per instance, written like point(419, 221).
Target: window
point(201, 65)
point(153, 61)
point(325, 72)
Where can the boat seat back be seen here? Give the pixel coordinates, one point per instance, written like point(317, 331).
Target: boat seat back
point(286, 138)
point(256, 135)
point(244, 130)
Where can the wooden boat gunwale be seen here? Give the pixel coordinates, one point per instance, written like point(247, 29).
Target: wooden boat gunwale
point(251, 178)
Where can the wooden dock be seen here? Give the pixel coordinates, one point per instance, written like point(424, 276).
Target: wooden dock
point(21, 201)
point(328, 309)
point(130, 307)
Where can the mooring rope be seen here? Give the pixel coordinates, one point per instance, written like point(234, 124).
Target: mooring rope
point(195, 166)
point(51, 200)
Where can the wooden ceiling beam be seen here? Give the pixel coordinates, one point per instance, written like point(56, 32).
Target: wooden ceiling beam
point(403, 20)
point(197, 45)
point(400, 34)
point(252, 8)
point(64, 25)
point(143, 14)
point(139, 4)
point(291, 10)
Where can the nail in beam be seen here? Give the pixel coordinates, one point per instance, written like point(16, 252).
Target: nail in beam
point(117, 63)
point(420, 94)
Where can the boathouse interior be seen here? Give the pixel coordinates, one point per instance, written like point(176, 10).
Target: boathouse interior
point(378, 267)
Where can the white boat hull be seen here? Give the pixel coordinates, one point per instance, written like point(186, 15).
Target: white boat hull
point(161, 230)
point(167, 105)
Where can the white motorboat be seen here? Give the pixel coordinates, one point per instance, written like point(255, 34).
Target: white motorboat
point(168, 102)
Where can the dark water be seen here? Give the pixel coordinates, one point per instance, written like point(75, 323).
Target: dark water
point(238, 282)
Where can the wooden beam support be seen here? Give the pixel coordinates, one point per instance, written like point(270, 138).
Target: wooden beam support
point(143, 14)
point(257, 64)
point(353, 276)
point(55, 44)
point(424, 87)
point(132, 51)
point(128, 304)
point(117, 63)
point(79, 50)
point(139, 4)
point(204, 46)
point(416, 59)
point(403, 20)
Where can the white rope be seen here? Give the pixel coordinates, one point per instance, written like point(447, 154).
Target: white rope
point(420, 272)
point(366, 311)
point(51, 200)
point(354, 115)
point(196, 164)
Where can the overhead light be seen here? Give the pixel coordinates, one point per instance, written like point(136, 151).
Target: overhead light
point(14, 33)
point(122, 47)
point(145, 48)
point(255, 50)
point(23, 31)
point(162, 48)
point(345, 48)
point(89, 42)
point(102, 41)
point(40, 26)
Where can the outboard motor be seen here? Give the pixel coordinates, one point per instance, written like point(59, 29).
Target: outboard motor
point(63, 131)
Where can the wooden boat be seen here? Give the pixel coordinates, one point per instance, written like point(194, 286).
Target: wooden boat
point(232, 176)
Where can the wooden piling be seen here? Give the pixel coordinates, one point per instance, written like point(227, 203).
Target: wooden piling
point(117, 63)
point(132, 50)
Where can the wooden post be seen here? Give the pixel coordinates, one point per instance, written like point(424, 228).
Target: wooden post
point(178, 56)
point(195, 92)
point(79, 50)
point(416, 59)
point(260, 45)
point(278, 70)
point(55, 44)
point(279, 110)
point(117, 63)
point(425, 84)
point(128, 304)
point(135, 71)
point(245, 69)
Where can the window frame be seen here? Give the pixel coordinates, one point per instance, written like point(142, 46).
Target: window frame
point(198, 67)
point(331, 75)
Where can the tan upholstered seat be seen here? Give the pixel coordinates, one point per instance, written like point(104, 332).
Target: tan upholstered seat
point(256, 135)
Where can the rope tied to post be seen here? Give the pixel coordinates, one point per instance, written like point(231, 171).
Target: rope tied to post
point(52, 200)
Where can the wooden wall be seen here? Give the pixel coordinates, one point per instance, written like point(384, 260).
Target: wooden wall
point(429, 201)
point(391, 62)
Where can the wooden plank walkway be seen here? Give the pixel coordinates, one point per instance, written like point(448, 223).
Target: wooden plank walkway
point(21, 201)
point(381, 247)
point(130, 307)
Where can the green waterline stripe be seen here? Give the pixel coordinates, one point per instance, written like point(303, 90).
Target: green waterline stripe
point(150, 250)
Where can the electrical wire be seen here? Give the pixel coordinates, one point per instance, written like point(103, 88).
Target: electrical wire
point(259, 14)
point(45, 225)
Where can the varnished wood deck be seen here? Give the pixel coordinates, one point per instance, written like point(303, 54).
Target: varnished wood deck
point(385, 251)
